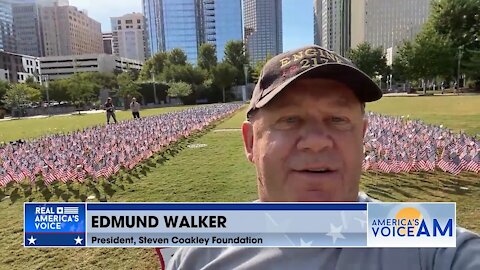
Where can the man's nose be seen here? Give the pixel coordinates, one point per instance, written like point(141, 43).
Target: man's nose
point(315, 138)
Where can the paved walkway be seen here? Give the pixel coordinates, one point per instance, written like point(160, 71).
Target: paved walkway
point(56, 115)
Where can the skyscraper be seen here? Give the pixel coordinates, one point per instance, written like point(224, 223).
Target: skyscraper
point(186, 24)
point(27, 27)
point(332, 26)
point(222, 23)
point(174, 24)
point(7, 37)
point(263, 28)
point(68, 31)
point(129, 37)
point(107, 43)
point(387, 23)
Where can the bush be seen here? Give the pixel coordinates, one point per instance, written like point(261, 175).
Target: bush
point(3, 112)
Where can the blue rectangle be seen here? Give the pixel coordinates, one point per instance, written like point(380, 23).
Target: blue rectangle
point(54, 217)
point(54, 240)
point(229, 206)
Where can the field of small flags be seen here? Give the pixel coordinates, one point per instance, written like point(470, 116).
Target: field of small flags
point(101, 151)
point(218, 172)
point(398, 144)
point(392, 145)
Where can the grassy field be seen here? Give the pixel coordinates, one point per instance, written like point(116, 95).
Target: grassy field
point(455, 112)
point(220, 172)
point(34, 127)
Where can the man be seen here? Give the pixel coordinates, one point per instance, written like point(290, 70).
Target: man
point(304, 134)
point(110, 109)
point(135, 107)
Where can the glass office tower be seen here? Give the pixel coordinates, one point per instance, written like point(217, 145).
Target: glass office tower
point(186, 24)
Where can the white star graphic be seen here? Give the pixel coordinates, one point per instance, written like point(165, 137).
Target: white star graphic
point(305, 244)
point(31, 240)
point(78, 240)
point(335, 233)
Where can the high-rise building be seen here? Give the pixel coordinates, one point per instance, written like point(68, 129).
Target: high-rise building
point(69, 31)
point(27, 27)
point(107, 43)
point(222, 23)
point(186, 24)
point(332, 26)
point(263, 28)
point(129, 36)
point(174, 24)
point(387, 23)
point(7, 37)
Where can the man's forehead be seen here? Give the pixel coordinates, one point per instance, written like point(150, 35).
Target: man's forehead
point(330, 91)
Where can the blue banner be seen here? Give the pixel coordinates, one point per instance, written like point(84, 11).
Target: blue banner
point(239, 224)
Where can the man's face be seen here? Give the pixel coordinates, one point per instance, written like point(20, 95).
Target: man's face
point(307, 143)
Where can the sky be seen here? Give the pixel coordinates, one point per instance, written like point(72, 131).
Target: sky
point(297, 17)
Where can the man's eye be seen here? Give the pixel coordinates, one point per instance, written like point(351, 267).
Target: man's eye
point(290, 119)
point(338, 120)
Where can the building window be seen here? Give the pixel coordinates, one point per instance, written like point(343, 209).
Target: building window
point(128, 21)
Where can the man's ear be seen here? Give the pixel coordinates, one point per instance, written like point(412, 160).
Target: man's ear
point(365, 126)
point(247, 134)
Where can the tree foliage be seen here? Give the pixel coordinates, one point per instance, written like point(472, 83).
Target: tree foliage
point(4, 86)
point(128, 88)
point(179, 89)
point(20, 94)
point(370, 60)
point(224, 76)
point(177, 57)
point(236, 55)
point(207, 57)
point(82, 90)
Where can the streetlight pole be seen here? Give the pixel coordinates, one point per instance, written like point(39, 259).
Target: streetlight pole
point(48, 95)
point(154, 88)
point(458, 68)
point(245, 71)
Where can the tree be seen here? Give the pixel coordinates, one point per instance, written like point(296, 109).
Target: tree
point(19, 95)
point(207, 57)
point(58, 90)
point(259, 66)
point(155, 64)
point(184, 73)
point(127, 87)
point(4, 86)
point(177, 57)
point(370, 60)
point(179, 89)
point(82, 91)
point(223, 76)
point(457, 20)
point(236, 55)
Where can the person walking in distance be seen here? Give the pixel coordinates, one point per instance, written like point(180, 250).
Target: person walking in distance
point(110, 108)
point(135, 107)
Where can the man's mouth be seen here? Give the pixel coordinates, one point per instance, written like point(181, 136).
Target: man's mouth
point(316, 170)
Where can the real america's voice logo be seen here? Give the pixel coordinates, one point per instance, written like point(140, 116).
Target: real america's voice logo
point(54, 224)
point(411, 225)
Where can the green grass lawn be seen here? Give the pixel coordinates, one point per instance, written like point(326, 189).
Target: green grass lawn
point(31, 127)
point(455, 112)
point(220, 172)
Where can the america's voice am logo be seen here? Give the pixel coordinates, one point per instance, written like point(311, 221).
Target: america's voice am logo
point(54, 224)
point(411, 225)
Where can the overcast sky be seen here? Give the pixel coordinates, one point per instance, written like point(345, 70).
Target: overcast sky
point(297, 17)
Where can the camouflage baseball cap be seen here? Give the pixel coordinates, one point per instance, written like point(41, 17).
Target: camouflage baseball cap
point(310, 62)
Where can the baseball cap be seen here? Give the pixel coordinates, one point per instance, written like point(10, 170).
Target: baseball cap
point(310, 62)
